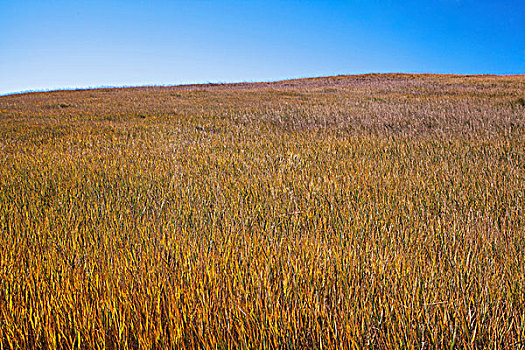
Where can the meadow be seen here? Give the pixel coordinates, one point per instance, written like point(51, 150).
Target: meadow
point(372, 211)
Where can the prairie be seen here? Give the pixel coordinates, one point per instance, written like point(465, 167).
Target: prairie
point(371, 211)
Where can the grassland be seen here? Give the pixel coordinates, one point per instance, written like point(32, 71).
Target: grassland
point(375, 211)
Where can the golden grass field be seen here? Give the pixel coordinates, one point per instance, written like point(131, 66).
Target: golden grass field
point(373, 211)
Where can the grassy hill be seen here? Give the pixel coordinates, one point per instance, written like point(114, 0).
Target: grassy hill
point(382, 211)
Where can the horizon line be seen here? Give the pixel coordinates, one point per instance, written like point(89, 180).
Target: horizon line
point(245, 82)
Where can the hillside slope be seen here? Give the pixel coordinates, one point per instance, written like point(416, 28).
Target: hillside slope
point(378, 103)
point(375, 211)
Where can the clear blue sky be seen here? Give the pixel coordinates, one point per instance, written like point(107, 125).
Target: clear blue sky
point(50, 44)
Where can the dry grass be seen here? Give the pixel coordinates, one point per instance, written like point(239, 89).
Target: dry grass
point(378, 211)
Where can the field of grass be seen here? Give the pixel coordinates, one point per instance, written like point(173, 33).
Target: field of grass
point(375, 211)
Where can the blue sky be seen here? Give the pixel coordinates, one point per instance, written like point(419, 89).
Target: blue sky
point(51, 44)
